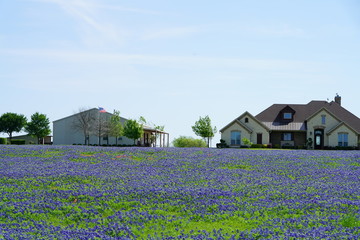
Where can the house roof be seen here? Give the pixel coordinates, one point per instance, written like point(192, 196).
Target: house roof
point(87, 110)
point(293, 126)
point(339, 125)
point(302, 112)
point(151, 129)
point(237, 120)
point(145, 127)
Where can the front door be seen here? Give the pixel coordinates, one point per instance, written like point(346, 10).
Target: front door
point(319, 139)
point(259, 138)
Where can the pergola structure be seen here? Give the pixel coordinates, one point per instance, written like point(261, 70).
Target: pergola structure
point(154, 138)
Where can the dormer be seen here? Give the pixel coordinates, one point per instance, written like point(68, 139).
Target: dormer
point(287, 114)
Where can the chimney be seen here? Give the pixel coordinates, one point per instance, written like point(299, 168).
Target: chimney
point(338, 99)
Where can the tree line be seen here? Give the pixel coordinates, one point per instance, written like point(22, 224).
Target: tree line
point(89, 123)
point(38, 126)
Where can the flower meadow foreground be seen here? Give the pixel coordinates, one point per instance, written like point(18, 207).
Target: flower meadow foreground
point(76, 192)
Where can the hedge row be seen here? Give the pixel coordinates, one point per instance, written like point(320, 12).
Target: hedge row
point(3, 141)
point(13, 141)
point(18, 141)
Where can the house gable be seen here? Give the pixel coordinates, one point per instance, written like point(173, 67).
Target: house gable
point(322, 119)
point(247, 120)
point(321, 112)
point(343, 128)
point(236, 124)
point(286, 115)
point(248, 126)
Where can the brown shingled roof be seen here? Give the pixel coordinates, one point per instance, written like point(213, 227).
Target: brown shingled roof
point(304, 111)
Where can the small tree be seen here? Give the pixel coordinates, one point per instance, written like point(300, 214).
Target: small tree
point(39, 126)
point(116, 128)
point(246, 142)
point(84, 121)
point(12, 122)
point(204, 129)
point(133, 129)
point(101, 127)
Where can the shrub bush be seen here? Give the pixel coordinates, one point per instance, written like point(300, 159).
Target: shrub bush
point(258, 146)
point(289, 147)
point(341, 148)
point(188, 142)
point(246, 142)
point(3, 141)
point(222, 144)
point(18, 141)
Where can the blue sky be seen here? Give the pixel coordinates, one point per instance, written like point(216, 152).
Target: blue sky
point(174, 61)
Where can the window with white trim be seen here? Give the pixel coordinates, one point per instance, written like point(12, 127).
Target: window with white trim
point(343, 139)
point(235, 138)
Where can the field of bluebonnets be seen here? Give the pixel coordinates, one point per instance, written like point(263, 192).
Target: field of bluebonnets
point(76, 192)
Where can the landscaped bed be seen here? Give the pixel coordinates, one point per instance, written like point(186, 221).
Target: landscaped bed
point(77, 192)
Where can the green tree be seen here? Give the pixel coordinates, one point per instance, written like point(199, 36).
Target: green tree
point(188, 142)
point(39, 126)
point(133, 129)
point(116, 129)
point(204, 129)
point(142, 120)
point(12, 122)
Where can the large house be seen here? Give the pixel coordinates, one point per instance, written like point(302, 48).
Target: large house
point(89, 127)
point(318, 125)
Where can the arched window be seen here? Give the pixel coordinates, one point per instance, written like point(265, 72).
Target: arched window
point(235, 137)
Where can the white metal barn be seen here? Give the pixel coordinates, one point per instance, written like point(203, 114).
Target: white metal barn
point(66, 131)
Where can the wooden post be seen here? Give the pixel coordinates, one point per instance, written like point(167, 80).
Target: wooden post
point(168, 140)
point(163, 140)
point(155, 137)
point(160, 140)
